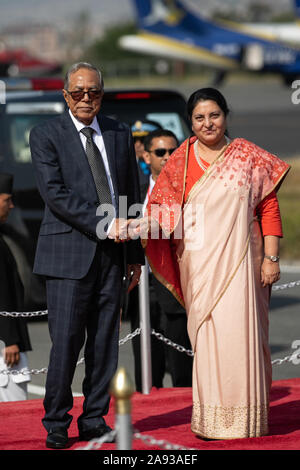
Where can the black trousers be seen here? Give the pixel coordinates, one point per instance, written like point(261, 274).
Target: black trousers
point(169, 318)
point(85, 310)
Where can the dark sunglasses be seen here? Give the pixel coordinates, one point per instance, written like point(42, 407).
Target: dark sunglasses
point(162, 152)
point(78, 95)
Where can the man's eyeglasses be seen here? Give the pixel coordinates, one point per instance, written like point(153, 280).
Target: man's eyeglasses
point(162, 152)
point(78, 95)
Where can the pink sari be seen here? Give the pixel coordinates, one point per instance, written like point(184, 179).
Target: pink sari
point(214, 270)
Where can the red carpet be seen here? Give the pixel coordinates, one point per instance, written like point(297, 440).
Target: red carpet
point(164, 414)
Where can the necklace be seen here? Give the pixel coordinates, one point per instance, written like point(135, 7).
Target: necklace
point(201, 163)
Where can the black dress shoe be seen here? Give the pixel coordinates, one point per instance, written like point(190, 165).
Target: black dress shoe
point(57, 438)
point(95, 433)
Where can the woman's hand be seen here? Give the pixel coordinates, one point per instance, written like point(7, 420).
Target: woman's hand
point(270, 272)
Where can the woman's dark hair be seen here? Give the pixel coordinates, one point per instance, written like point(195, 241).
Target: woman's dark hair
point(205, 94)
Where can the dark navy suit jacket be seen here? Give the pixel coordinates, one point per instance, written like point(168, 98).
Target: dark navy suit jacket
point(67, 240)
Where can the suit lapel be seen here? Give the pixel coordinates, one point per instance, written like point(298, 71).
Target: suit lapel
point(75, 148)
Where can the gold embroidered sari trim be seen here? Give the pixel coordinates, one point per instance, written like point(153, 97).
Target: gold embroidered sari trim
point(279, 181)
point(229, 422)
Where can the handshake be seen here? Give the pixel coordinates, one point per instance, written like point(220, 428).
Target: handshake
point(129, 229)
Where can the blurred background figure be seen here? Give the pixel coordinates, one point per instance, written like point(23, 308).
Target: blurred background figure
point(140, 129)
point(14, 336)
point(167, 316)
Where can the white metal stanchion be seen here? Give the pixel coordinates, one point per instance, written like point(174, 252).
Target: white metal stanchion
point(145, 338)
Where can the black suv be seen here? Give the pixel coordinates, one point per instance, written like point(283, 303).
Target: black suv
point(22, 111)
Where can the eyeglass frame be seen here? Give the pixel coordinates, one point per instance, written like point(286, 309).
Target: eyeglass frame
point(83, 92)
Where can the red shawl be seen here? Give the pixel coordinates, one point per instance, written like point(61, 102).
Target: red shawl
point(169, 191)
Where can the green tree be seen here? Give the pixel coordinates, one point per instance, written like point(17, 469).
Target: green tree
point(107, 47)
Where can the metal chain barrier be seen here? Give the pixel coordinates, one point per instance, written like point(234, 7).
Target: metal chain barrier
point(289, 285)
point(130, 336)
point(167, 341)
point(161, 443)
point(96, 444)
point(39, 313)
point(290, 358)
point(44, 370)
point(25, 371)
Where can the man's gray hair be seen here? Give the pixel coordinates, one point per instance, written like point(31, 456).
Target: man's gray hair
point(82, 65)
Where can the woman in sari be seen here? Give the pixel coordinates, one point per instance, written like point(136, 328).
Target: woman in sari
point(218, 252)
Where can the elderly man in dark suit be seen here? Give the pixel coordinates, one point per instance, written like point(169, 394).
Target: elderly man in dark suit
point(85, 164)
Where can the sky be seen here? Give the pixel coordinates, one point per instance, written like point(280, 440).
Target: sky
point(103, 12)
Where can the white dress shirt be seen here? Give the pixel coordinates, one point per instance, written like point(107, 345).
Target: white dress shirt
point(149, 191)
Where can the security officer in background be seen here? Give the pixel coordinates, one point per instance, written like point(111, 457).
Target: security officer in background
point(139, 130)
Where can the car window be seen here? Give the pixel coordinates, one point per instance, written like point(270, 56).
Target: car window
point(171, 121)
point(168, 112)
point(22, 117)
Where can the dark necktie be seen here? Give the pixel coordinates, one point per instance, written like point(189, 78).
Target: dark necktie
point(97, 167)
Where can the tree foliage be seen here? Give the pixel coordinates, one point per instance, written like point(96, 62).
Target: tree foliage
point(107, 48)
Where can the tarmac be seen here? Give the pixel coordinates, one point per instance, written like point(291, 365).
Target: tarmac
point(263, 111)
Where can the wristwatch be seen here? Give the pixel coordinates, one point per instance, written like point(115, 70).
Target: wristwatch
point(275, 259)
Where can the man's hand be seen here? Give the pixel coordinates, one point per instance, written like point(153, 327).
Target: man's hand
point(119, 230)
point(270, 272)
point(134, 274)
point(12, 355)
